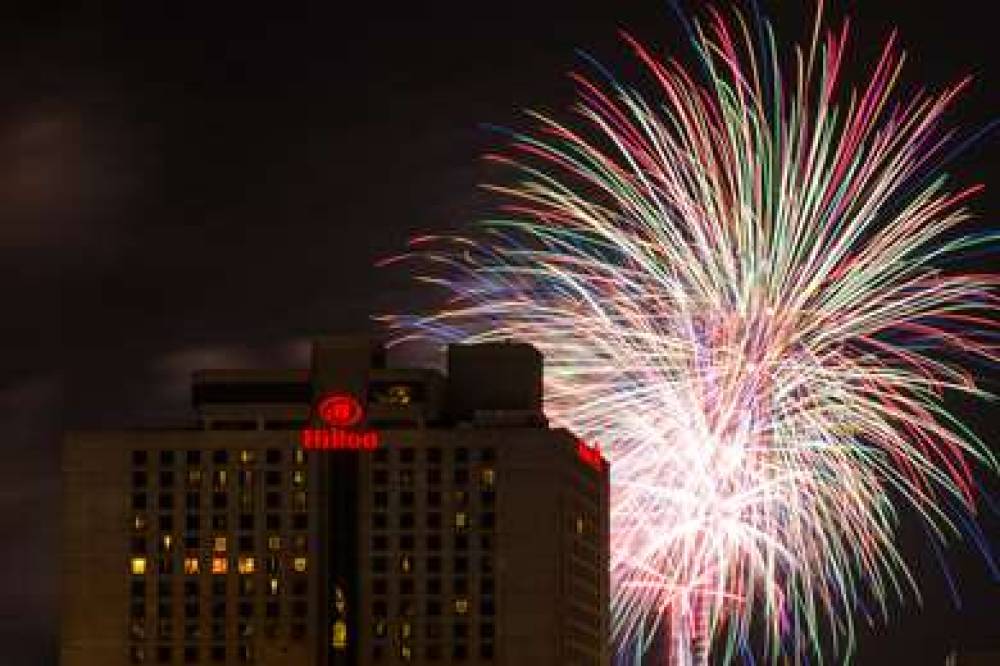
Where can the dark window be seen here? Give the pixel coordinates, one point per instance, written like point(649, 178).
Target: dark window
point(300, 521)
point(461, 542)
point(246, 521)
point(380, 477)
point(434, 520)
point(486, 586)
point(219, 634)
point(460, 585)
point(219, 588)
point(272, 478)
point(434, 564)
point(245, 609)
point(272, 609)
point(459, 652)
point(164, 588)
point(140, 479)
point(218, 653)
point(380, 542)
point(193, 500)
point(273, 500)
point(246, 654)
point(298, 631)
point(406, 521)
point(272, 521)
point(380, 608)
point(406, 498)
point(486, 650)
point(406, 586)
point(406, 455)
point(219, 500)
point(433, 586)
point(461, 454)
point(379, 521)
point(299, 585)
point(163, 653)
point(191, 609)
point(486, 607)
point(219, 609)
point(379, 586)
point(166, 502)
point(434, 498)
point(434, 542)
point(488, 455)
point(487, 520)
point(191, 542)
point(139, 458)
point(379, 564)
point(246, 542)
point(433, 607)
point(487, 497)
point(434, 476)
point(192, 631)
point(191, 588)
point(138, 588)
point(405, 478)
point(461, 564)
point(434, 455)
point(460, 630)
point(299, 609)
point(273, 457)
point(139, 501)
point(220, 457)
point(381, 499)
point(486, 542)
point(190, 655)
point(461, 476)
point(381, 455)
point(219, 521)
point(138, 544)
point(166, 458)
point(193, 457)
point(406, 542)
point(166, 523)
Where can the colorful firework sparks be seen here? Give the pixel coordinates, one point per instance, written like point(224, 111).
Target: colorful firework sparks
point(738, 284)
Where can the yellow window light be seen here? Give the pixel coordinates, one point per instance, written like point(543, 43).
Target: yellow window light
point(138, 566)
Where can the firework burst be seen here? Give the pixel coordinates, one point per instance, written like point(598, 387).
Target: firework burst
point(737, 283)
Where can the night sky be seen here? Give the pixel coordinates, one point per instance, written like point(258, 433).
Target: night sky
point(189, 185)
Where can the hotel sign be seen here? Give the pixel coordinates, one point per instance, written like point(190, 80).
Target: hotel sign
point(341, 413)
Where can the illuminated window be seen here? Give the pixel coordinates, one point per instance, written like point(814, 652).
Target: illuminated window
point(300, 542)
point(274, 542)
point(194, 478)
point(339, 635)
point(273, 587)
point(405, 652)
point(138, 566)
point(461, 606)
point(406, 563)
point(221, 479)
point(245, 478)
point(246, 564)
point(191, 565)
point(299, 500)
point(579, 524)
point(167, 541)
point(299, 456)
point(461, 521)
point(248, 456)
point(299, 564)
point(298, 478)
point(139, 523)
point(219, 544)
point(220, 565)
point(380, 628)
point(487, 477)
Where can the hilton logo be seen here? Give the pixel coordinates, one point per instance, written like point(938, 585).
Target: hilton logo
point(340, 412)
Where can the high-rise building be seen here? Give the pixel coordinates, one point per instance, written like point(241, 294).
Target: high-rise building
point(351, 513)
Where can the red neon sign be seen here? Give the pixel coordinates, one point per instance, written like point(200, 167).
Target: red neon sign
point(590, 455)
point(340, 410)
point(321, 439)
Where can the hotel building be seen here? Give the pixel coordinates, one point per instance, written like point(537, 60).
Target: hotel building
point(348, 514)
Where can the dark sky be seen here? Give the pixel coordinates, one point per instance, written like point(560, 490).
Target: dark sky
point(188, 185)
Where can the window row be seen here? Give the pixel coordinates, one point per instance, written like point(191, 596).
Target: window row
point(218, 630)
point(221, 479)
point(461, 476)
point(406, 652)
point(433, 455)
point(460, 605)
point(167, 458)
point(217, 564)
point(297, 585)
point(432, 586)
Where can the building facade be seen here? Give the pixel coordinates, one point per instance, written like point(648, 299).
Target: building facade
point(346, 514)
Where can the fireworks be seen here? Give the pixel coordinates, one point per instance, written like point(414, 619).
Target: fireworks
point(738, 282)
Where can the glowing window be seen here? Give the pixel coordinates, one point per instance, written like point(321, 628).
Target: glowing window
point(167, 541)
point(191, 565)
point(579, 524)
point(274, 542)
point(299, 456)
point(194, 478)
point(405, 652)
point(299, 500)
point(299, 564)
point(273, 587)
point(138, 566)
point(221, 479)
point(298, 478)
point(406, 564)
point(220, 544)
point(461, 606)
point(405, 629)
point(487, 477)
point(339, 635)
point(380, 627)
point(461, 521)
point(139, 523)
point(246, 564)
point(248, 456)
point(220, 565)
